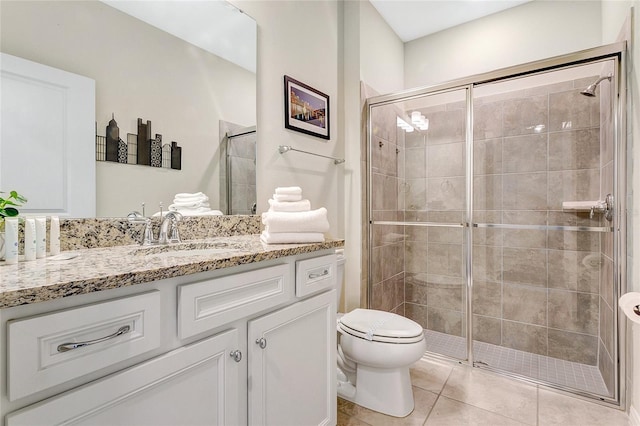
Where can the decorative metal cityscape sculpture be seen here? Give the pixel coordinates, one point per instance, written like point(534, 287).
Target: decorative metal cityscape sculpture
point(139, 149)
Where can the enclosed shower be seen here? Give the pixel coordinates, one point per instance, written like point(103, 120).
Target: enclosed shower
point(237, 161)
point(496, 211)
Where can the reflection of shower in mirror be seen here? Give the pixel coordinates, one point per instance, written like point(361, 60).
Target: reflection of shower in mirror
point(237, 168)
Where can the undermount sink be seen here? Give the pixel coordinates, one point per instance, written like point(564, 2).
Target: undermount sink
point(185, 250)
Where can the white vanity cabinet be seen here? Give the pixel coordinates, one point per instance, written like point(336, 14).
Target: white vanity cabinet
point(193, 385)
point(236, 346)
point(292, 361)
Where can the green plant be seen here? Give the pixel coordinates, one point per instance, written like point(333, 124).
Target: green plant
point(8, 206)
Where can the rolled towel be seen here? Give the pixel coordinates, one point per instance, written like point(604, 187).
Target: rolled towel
point(289, 190)
point(291, 237)
point(289, 206)
point(277, 197)
point(311, 221)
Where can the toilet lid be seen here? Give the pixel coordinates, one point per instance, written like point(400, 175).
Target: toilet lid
point(381, 326)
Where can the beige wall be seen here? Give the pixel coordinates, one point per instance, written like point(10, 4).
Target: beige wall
point(299, 39)
point(616, 18)
point(353, 182)
point(139, 72)
point(532, 31)
point(372, 53)
point(381, 52)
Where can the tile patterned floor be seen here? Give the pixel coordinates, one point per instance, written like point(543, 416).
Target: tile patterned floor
point(551, 370)
point(452, 395)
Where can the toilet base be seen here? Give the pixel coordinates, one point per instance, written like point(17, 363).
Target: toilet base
point(386, 391)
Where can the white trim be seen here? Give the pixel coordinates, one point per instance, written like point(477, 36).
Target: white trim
point(634, 417)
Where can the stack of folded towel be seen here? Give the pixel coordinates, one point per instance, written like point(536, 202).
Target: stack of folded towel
point(291, 220)
point(196, 204)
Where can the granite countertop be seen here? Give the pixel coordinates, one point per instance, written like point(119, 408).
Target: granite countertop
point(100, 269)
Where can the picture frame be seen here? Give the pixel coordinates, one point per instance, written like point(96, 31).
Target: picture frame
point(306, 109)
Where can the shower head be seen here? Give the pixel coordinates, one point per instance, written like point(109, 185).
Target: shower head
point(591, 90)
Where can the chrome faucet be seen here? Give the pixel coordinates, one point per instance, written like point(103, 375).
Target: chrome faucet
point(169, 228)
point(147, 235)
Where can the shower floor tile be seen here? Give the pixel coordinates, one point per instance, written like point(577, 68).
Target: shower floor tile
point(552, 370)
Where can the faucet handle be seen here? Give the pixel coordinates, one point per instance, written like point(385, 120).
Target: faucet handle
point(174, 236)
point(135, 217)
point(147, 235)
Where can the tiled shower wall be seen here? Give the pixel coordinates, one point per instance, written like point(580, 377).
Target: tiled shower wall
point(388, 242)
point(537, 291)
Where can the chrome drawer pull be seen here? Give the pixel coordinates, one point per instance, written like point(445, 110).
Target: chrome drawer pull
point(70, 346)
point(314, 275)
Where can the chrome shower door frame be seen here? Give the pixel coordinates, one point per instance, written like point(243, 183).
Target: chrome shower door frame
point(615, 52)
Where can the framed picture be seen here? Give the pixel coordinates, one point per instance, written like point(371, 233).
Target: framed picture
point(306, 109)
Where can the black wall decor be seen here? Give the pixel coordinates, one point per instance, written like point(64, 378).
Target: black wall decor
point(176, 156)
point(144, 142)
point(139, 149)
point(113, 139)
point(156, 151)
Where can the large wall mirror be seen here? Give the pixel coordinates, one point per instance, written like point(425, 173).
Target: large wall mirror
point(186, 66)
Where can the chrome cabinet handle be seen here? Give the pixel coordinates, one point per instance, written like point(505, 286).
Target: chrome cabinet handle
point(262, 342)
point(70, 346)
point(236, 355)
point(314, 275)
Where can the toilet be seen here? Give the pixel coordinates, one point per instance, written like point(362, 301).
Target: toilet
point(375, 350)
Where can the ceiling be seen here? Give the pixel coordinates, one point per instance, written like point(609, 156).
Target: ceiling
point(232, 34)
point(216, 26)
point(412, 19)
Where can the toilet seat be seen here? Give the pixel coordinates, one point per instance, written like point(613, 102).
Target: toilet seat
point(381, 326)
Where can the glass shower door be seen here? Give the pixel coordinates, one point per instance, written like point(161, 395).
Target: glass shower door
point(418, 193)
point(543, 282)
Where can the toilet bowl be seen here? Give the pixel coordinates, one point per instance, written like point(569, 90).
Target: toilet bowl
point(375, 350)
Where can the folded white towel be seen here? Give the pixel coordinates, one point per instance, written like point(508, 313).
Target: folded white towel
point(292, 197)
point(289, 190)
point(289, 206)
point(191, 204)
point(291, 237)
point(311, 221)
point(206, 212)
point(184, 195)
point(196, 206)
point(191, 201)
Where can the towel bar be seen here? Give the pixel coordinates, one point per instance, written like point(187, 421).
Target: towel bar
point(284, 148)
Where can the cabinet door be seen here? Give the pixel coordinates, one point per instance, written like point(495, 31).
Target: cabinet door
point(192, 385)
point(292, 364)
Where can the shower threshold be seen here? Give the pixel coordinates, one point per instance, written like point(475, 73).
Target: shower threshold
point(540, 367)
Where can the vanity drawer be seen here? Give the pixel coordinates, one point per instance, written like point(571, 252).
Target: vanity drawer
point(316, 274)
point(212, 303)
point(50, 349)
